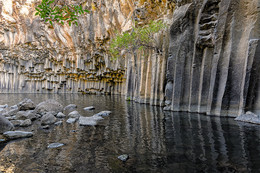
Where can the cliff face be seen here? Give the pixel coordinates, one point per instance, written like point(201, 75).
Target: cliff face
point(38, 58)
point(213, 64)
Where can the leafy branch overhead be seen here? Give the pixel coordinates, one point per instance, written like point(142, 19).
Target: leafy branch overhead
point(138, 38)
point(50, 11)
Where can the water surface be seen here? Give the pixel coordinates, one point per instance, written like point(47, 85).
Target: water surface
point(156, 141)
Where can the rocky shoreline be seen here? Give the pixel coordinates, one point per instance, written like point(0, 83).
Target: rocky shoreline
point(14, 119)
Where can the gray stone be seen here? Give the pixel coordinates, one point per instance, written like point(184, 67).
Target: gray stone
point(5, 124)
point(26, 104)
point(89, 121)
point(55, 145)
point(26, 123)
point(60, 115)
point(14, 107)
point(249, 117)
point(17, 134)
point(45, 127)
point(104, 113)
point(123, 157)
point(74, 114)
point(48, 118)
point(89, 108)
point(3, 106)
point(58, 123)
point(49, 106)
point(10, 112)
point(70, 107)
point(16, 122)
point(71, 120)
point(22, 115)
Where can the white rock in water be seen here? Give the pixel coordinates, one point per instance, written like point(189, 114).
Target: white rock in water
point(17, 134)
point(60, 115)
point(70, 107)
point(55, 145)
point(123, 157)
point(104, 113)
point(249, 117)
point(26, 123)
point(89, 121)
point(71, 120)
point(48, 118)
point(58, 123)
point(89, 108)
point(74, 114)
point(3, 106)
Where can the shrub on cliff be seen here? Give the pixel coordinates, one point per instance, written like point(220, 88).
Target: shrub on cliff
point(59, 11)
point(138, 38)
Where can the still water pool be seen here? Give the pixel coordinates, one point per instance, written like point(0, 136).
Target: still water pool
point(156, 141)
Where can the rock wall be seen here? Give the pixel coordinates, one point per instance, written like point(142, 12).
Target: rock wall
point(213, 63)
point(38, 58)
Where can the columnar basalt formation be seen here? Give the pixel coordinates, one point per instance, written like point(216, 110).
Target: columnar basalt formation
point(213, 64)
point(38, 58)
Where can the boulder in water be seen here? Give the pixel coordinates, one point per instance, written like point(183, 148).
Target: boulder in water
point(49, 106)
point(71, 120)
point(48, 118)
point(70, 107)
point(5, 124)
point(17, 134)
point(58, 123)
point(89, 108)
point(123, 157)
point(74, 114)
point(26, 123)
point(60, 115)
point(104, 113)
point(55, 145)
point(26, 104)
point(249, 117)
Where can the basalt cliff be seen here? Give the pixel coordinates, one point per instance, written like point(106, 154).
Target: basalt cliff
point(210, 61)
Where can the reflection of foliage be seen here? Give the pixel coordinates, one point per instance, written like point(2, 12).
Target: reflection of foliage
point(138, 38)
point(50, 11)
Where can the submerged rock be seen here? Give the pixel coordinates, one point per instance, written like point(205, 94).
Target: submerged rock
point(26, 104)
point(17, 134)
point(74, 114)
point(49, 106)
point(46, 127)
point(71, 120)
point(5, 124)
point(10, 111)
point(23, 115)
point(55, 145)
point(3, 106)
point(70, 107)
point(60, 115)
point(58, 123)
point(249, 117)
point(16, 122)
point(89, 108)
point(104, 113)
point(48, 118)
point(123, 157)
point(89, 121)
point(26, 123)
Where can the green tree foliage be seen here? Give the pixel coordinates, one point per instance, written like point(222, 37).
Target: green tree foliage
point(50, 11)
point(138, 38)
